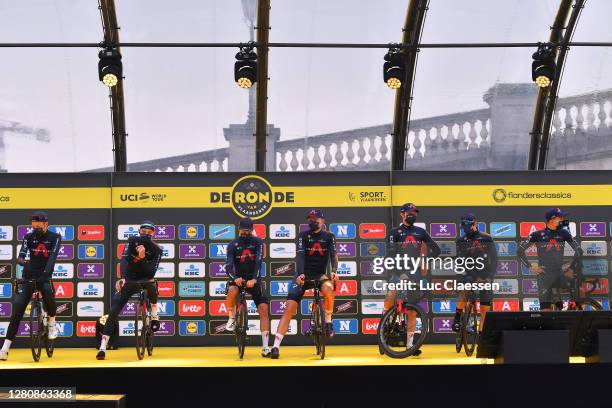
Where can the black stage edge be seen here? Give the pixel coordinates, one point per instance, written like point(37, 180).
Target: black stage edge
point(467, 385)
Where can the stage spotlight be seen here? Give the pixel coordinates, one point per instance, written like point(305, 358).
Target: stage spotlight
point(543, 66)
point(245, 68)
point(110, 68)
point(394, 68)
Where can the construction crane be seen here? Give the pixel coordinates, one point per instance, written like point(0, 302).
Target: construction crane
point(27, 132)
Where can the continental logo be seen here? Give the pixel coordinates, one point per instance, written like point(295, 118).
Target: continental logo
point(500, 195)
point(143, 197)
point(367, 196)
point(252, 196)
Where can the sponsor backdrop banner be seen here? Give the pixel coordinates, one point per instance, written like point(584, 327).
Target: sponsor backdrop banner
point(78, 206)
point(197, 213)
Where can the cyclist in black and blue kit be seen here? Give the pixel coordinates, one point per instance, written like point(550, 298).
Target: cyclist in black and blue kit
point(414, 242)
point(43, 246)
point(550, 243)
point(475, 244)
point(139, 263)
point(316, 248)
point(243, 265)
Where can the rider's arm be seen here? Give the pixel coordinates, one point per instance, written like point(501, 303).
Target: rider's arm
point(23, 252)
point(523, 246)
point(300, 256)
point(229, 260)
point(333, 255)
point(432, 248)
point(150, 265)
point(575, 246)
point(53, 256)
point(258, 258)
point(125, 260)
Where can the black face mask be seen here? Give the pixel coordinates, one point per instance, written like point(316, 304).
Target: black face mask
point(145, 237)
point(410, 219)
point(38, 231)
point(244, 237)
point(314, 225)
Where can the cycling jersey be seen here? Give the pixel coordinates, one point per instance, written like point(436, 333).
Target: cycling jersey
point(478, 245)
point(244, 257)
point(133, 268)
point(550, 245)
point(315, 250)
point(43, 250)
point(409, 240)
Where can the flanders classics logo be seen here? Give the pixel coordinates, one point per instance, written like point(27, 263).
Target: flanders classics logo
point(252, 196)
point(5, 199)
point(499, 195)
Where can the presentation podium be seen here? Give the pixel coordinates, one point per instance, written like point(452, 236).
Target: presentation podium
point(546, 337)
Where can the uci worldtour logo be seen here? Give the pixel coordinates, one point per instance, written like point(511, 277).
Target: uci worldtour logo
point(143, 197)
point(500, 195)
point(252, 196)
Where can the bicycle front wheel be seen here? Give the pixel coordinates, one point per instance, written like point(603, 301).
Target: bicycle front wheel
point(469, 325)
point(140, 329)
point(36, 329)
point(402, 331)
point(241, 327)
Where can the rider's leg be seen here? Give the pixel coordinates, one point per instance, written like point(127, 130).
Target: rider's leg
point(285, 319)
point(118, 302)
point(261, 301)
point(389, 300)
point(22, 298)
point(327, 288)
point(48, 295)
point(461, 301)
point(230, 302)
point(486, 298)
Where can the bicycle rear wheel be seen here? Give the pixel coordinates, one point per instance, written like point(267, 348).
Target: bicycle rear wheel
point(140, 329)
point(469, 325)
point(36, 328)
point(393, 330)
point(241, 326)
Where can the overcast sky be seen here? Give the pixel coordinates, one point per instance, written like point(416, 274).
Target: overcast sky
point(179, 100)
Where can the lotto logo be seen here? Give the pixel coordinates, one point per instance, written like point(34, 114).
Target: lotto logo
point(86, 329)
point(370, 325)
point(192, 308)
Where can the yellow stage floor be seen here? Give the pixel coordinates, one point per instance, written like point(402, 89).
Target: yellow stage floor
point(227, 357)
